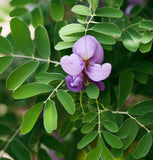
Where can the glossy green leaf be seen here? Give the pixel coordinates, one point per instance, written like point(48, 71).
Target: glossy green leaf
point(17, 150)
point(71, 28)
point(81, 10)
point(105, 153)
point(66, 100)
point(19, 75)
point(92, 91)
point(21, 35)
point(20, 2)
point(145, 47)
point(146, 37)
point(107, 28)
point(94, 154)
point(112, 140)
point(5, 46)
point(57, 10)
point(88, 127)
point(42, 42)
point(143, 146)
point(82, 19)
point(31, 89)
point(90, 116)
point(142, 108)
point(124, 130)
point(5, 62)
point(109, 12)
point(87, 139)
point(146, 118)
point(50, 116)
point(126, 79)
point(136, 36)
point(146, 24)
point(110, 125)
point(93, 3)
point(47, 77)
point(117, 153)
point(31, 117)
point(37, 17)
point(129, 42)
point(103, 38)
point(18, 12)
point(131, 136)
point(64, 45)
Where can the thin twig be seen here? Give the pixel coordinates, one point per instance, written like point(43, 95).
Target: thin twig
point(81, 105)
point(99, 122)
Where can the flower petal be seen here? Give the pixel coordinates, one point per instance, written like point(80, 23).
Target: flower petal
point(96, 72)
point(98, 56)
point(85, 47)
point(74, 83)
point(72, 64)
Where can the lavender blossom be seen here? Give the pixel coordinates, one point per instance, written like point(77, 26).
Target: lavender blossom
point(83, 65)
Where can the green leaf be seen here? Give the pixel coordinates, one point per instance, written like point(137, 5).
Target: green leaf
point(31, 89)
point(43, 67)
point(64, 45)
point(92, 91)
point(48, 77)
point(124, 130)
point(88, 127)
point(142, 108)
point(19, 151)
point(136, 36)
point(107, 28)
point(37, 17)
point(94, 4)
point(112, 3)
point(140, 77)
point(110, 125)
point(112, 140)
point(105, 153)
point(87, 139)
point(42, 42)
point(90, 116)
point(103, 38)
point(31, 117)
point(81, 10)
point(109, 12)
point(66, 128)
point(145, 47)
point(126, 79)
point(18, 12)
point(94, 154)
point(20, 2)
point(5, 62)
point(19, 75)
point(43, 155)
point(21, 35)
point(82, 19)
point(117, 153)
point(50, 116)
point(129, 42)
point(146, 24)
point(5, 46)
point(66, 100)
point(57, 10)
point(131, 136)
point(146, 37)
point(146, 118)
point(143, 146)
point(71, 28)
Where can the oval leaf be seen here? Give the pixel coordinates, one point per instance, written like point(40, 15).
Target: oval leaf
point(50, 116)
point(5, 46)
point(42, 42)
point(64, 45)
point(110, 126)
point(66, 100)
point(21, 35)
point(18, 76)
point(81, 10)
point(92, 91)
point(31, 117)
point(31, 89)
point(87, 139)
point(88, 128)
point(5, 62)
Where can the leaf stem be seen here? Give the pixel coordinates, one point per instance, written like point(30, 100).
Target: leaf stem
point(140, 124)
point(81, 105)
point(54, 91)
point(9, 141)
point(99, 122)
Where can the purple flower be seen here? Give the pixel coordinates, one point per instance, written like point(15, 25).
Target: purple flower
point(132, 3)
point(83, 65)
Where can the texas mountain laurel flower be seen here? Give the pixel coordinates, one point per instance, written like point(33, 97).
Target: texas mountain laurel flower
point(84, 64)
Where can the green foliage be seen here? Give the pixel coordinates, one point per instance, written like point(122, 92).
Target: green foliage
point(81, 10)
point(92, 91)
point(5, 62)
point(5, 46)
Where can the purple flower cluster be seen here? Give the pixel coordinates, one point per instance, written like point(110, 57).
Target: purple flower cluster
point(131, 4)
point(83, 65)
